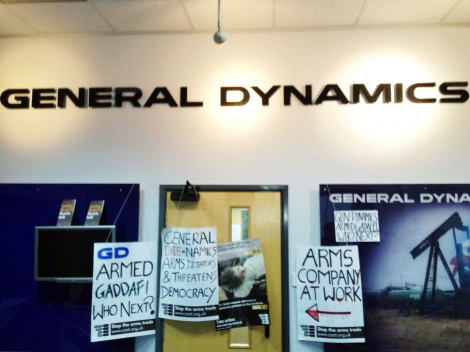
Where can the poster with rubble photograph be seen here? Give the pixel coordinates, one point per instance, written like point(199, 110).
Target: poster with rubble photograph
point(329, 294)
point(243, 294)
point(416, 271)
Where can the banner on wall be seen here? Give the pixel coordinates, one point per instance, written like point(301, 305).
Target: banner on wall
point(329, 294)
point(124, 290)
point(416, 274)
point(243, 290)
point(188, 275)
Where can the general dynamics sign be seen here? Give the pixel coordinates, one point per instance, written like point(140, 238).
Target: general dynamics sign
point(118, 97)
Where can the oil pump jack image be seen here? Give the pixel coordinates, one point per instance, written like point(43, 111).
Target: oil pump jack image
point(416, 279)
point(461, 261)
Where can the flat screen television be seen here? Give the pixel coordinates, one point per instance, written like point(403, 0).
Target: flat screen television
point(65, 253)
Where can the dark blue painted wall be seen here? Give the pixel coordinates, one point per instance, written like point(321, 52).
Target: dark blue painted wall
point(48, 316)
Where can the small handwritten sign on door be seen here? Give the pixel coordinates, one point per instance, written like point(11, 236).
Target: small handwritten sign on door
point(189, 277)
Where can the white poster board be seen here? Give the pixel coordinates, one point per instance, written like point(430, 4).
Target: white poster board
point(188, 274)
point(124, 290)
point(329, 294)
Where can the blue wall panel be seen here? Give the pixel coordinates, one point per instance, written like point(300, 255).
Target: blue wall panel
point(48, 316)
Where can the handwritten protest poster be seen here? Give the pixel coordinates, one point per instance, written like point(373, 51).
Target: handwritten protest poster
point(124, 290)
point(329, 294)
point(357, 226)
point(243, 291)
point(188, 275)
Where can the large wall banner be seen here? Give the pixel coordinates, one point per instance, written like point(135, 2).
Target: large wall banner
point(188, 274)
point(124, 290)
point(329, 294)
point(414, 249)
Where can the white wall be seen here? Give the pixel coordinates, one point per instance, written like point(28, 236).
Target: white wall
point(299, 146)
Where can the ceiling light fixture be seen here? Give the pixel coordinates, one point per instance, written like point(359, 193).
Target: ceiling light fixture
point(219, 36)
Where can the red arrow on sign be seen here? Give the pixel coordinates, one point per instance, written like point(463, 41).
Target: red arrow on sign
point(315, 313)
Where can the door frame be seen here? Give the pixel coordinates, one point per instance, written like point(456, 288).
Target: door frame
point(283, 190)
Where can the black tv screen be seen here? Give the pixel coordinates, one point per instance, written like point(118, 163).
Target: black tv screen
point(65, 254)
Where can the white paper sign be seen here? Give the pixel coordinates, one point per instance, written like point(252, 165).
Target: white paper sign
point(357, 226)
point(124, 290)
point(329, 294)
point(189, 276)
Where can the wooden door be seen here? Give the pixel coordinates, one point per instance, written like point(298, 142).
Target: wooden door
point(265, 221)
